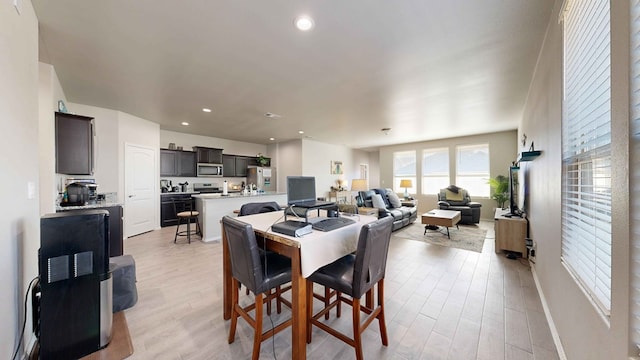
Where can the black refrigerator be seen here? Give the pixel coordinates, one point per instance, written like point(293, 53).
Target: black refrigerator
point(76, 286)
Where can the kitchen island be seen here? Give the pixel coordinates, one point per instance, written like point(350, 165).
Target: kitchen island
point(213, 207)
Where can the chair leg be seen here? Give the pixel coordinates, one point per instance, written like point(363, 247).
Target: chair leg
point(327, 300)
point(257, 335)
point(189, 230)
point(357, 330)
point(177, 231)
point(234, 310)
point(309, 296)
point(381, 321)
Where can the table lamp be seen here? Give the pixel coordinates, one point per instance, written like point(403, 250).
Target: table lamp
point(358, 185)
point(406, 184)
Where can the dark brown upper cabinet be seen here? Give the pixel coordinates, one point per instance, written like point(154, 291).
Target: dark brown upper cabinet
point(74, 144)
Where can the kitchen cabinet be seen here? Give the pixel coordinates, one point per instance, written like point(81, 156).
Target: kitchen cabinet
point(177, 163)
point(74, 144)
point(208, 155)
point(228, 165)
point(234, 165)
point(253, 161)
point(168, 215)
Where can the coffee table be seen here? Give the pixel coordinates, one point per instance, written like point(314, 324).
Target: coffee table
point(446, 218)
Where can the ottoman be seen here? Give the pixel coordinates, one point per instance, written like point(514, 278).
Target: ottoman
point(123, 273)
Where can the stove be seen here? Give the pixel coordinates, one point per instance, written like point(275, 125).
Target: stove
point(206, 188)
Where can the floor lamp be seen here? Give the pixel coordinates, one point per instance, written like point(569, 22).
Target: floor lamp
point(358, 185)
point(406, 184)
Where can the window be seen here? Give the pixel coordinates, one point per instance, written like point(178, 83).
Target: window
point(586, 148)
point(435, 170)
point(404, 167)
point(472, 169)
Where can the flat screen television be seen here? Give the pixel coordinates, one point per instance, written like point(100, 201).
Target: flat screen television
point(514, 191)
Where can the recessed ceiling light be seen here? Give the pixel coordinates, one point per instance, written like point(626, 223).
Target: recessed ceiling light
point(185, 123)
point(300, 132)
point(304, 23)
point(272, 139)
point(206, 110)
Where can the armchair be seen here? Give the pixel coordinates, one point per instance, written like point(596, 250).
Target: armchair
point(458, 199)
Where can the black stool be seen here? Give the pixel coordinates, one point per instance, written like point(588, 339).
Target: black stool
point(185, 213)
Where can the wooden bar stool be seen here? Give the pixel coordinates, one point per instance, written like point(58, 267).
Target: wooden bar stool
point(185, 213)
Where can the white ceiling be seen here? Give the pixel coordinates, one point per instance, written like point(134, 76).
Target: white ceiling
point(427, 69)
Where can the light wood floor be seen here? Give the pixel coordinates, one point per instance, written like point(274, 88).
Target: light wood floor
point(441, 303)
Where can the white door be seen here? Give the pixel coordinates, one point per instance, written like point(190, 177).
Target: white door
point(139, 189)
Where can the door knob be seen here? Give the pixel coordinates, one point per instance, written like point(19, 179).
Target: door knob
point(131, 196)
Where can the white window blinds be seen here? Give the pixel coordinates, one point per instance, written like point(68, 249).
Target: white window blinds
point(586, 140)
point(635, 171)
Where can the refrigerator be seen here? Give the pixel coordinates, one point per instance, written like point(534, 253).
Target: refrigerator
point(263, 177)
point(75, 310)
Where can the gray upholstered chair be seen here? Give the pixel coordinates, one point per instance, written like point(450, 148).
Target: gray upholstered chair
point(355, 275)
point(458, 199)
point(259, 273)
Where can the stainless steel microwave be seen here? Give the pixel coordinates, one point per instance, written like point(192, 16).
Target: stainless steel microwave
point(209, 170)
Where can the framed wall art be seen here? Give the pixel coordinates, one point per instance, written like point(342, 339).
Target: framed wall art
point(336, 167)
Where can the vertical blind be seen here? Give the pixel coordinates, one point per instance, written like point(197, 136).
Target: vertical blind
point(586, 148)
point(635, 171)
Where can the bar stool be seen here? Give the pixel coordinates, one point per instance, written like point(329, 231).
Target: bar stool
point(185, 213)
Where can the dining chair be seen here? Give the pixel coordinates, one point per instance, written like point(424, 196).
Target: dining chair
point(259, 273)
point(259, 208)
point(355, 275)
point(186, 214)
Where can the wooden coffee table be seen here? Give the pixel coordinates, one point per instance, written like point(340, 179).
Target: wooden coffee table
point(446, 218)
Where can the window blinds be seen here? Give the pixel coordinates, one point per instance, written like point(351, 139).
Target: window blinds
point(586, 156)
point(635, 171)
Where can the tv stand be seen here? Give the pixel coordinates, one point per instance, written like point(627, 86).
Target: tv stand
point(511, 230)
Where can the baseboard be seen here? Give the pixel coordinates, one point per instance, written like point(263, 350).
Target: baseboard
point(547, 314)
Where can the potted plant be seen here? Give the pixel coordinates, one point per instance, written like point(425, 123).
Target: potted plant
point(500, 189)
point(262, 161)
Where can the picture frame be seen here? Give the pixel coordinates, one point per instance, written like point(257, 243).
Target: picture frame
point(336, 167)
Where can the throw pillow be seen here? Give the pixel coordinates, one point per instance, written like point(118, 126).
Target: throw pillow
point(378, 202)
point(450, 195)
point(394, 199)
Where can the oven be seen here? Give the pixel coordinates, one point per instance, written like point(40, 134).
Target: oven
point(209, 170)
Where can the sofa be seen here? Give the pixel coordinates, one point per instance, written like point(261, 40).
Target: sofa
point(389, 204)
point(458, 199)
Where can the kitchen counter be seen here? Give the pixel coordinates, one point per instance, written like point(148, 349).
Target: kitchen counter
point(213, 207)
point(236, 195)
point(98, 205)
point(180, 193)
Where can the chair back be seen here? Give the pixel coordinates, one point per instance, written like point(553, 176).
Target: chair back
point(258, 207)
point(181, 205)
point(371, 255)
point(243, 253)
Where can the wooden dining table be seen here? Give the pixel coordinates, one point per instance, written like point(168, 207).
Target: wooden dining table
point(307, 253)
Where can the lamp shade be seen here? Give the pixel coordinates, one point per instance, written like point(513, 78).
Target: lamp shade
point(406, 183)
point(358, 184)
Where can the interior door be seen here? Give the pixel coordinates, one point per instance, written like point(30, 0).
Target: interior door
point(140, 189)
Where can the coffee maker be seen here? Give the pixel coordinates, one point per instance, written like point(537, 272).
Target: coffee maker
point(165, 186)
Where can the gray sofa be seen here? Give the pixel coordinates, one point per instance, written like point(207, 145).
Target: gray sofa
point(458, 199)
point(402, 215)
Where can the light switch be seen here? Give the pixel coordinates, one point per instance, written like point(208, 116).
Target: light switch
point(31, 190)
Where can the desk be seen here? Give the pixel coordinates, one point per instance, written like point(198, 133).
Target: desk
point(307, 254)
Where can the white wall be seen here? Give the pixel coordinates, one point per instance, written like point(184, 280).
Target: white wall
point(49, 93)
point(188, 141)
point(502, 151)
point(583, 332)
point(20, 226)
point(106, 169)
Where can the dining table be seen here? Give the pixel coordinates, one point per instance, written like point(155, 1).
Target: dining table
point(308, 253)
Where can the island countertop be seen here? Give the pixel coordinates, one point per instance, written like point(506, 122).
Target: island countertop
point(212, 207)
point(235, 195)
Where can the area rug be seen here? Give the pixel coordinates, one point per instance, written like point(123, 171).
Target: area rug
point(467, 237)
